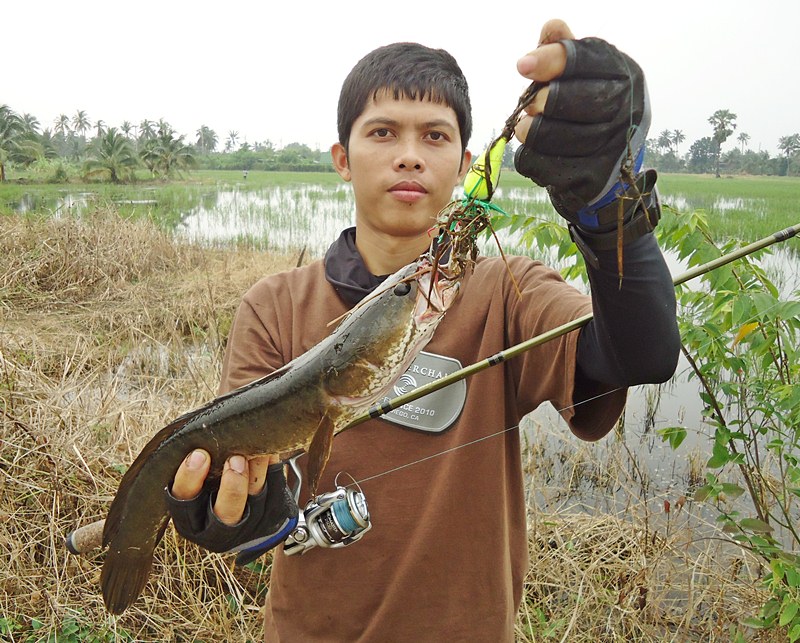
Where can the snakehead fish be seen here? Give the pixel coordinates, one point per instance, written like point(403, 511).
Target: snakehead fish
point(296, 408)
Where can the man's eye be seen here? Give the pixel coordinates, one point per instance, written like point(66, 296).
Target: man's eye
point(436, 136)
point(382, 132)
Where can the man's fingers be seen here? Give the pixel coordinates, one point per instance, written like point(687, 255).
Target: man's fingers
point(232, 494)
point(543, 64)
point(191, 475)
point(555, 30)
point(549, 59)
point(535, 107)
point(258, 472)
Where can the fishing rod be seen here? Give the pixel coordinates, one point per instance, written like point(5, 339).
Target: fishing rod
point(389, 405)
point(90, 536)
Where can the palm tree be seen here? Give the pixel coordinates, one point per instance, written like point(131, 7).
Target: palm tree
point(724, 122)
point(126, 128)
point(80, 122)
point(665, 140)
point(231, 142)
point(12, 130)
point(166, 154)
point(31, 123)
point(678, 137)
point(61, 125)
point(743, 138)
point(206, 139)
point(111, 154)
point(789, 145)
point(101, 127)
point(146, 131)
point(164, 128)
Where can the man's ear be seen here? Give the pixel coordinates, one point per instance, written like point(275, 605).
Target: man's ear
point(339, 158)
point(466, 161)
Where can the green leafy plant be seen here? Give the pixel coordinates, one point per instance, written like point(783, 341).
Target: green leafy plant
point(740, 337)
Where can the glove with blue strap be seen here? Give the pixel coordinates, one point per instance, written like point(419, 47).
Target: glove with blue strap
point(269, 518)
point(587, 147)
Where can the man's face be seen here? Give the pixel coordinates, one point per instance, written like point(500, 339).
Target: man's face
point(404, 160)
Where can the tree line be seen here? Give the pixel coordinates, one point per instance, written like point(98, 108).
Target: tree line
point(706, 155)
point(76, 145)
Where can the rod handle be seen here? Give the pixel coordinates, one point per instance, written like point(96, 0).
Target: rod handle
point(85, 539)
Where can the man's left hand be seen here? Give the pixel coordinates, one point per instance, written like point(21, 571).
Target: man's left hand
point(588, 121)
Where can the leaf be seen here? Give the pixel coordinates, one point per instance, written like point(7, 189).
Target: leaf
point(720, 456)
point(674, 435)
point(744, 331)
point(703, 493)
point(788, 613)
point(731, 490)
point(755, 525)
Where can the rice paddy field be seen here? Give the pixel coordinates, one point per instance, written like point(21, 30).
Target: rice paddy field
point(115, 303)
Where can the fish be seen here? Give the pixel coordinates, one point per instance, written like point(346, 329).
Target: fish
point(297, 408)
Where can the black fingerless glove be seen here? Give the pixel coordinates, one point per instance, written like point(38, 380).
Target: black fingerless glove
point(269, 517)
point(594, 124)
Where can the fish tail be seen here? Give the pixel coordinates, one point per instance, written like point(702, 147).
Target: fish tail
point(137, 519)
point(126, 570)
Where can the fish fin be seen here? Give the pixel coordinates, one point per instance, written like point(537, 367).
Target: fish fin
point(126, 570)
point(319, 451)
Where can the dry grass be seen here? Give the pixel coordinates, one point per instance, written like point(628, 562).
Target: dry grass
point(108, 327)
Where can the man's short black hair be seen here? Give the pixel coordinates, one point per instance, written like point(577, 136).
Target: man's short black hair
point(405, 70)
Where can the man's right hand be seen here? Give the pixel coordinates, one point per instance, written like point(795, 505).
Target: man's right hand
point(240, 477)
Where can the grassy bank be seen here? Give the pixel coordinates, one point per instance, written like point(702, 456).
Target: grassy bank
point(109, 328)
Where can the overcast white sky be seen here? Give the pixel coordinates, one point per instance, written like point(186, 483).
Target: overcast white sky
point(272, 69)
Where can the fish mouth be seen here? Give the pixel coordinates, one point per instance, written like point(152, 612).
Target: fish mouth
point(435, 295)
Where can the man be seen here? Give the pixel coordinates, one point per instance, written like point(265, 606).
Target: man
point(447, 553)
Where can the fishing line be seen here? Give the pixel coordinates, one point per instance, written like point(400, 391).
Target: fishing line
point(472, 442)
point(517, 426)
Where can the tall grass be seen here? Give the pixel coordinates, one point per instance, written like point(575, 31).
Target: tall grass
point(108, 329)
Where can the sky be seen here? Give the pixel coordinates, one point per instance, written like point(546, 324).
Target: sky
point(271, 70)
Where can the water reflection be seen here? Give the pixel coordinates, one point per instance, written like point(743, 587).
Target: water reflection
point(278, 218)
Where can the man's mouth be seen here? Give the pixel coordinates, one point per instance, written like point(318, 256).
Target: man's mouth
point(408, 191)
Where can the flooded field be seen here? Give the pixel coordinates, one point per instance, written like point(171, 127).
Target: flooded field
point(306, 215)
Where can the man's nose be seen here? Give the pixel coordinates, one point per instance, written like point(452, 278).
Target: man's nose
point(409, 157)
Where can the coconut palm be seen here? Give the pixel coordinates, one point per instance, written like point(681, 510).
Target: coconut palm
point(113, 155)
point(146, 130)
point(678, 137)
point(789, 145)
point(724, 122)
point(164, 128)
point(100, 125)
point(126, 128)
point(81, 122)
point(12, 130)
point(61, 125)
point(31, 123)
point(665, 140)
point(230, 144)
point(165, 155)
point(206, 139)
point(743, 138)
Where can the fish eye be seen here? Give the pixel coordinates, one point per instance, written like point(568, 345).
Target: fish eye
point(402, 289)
